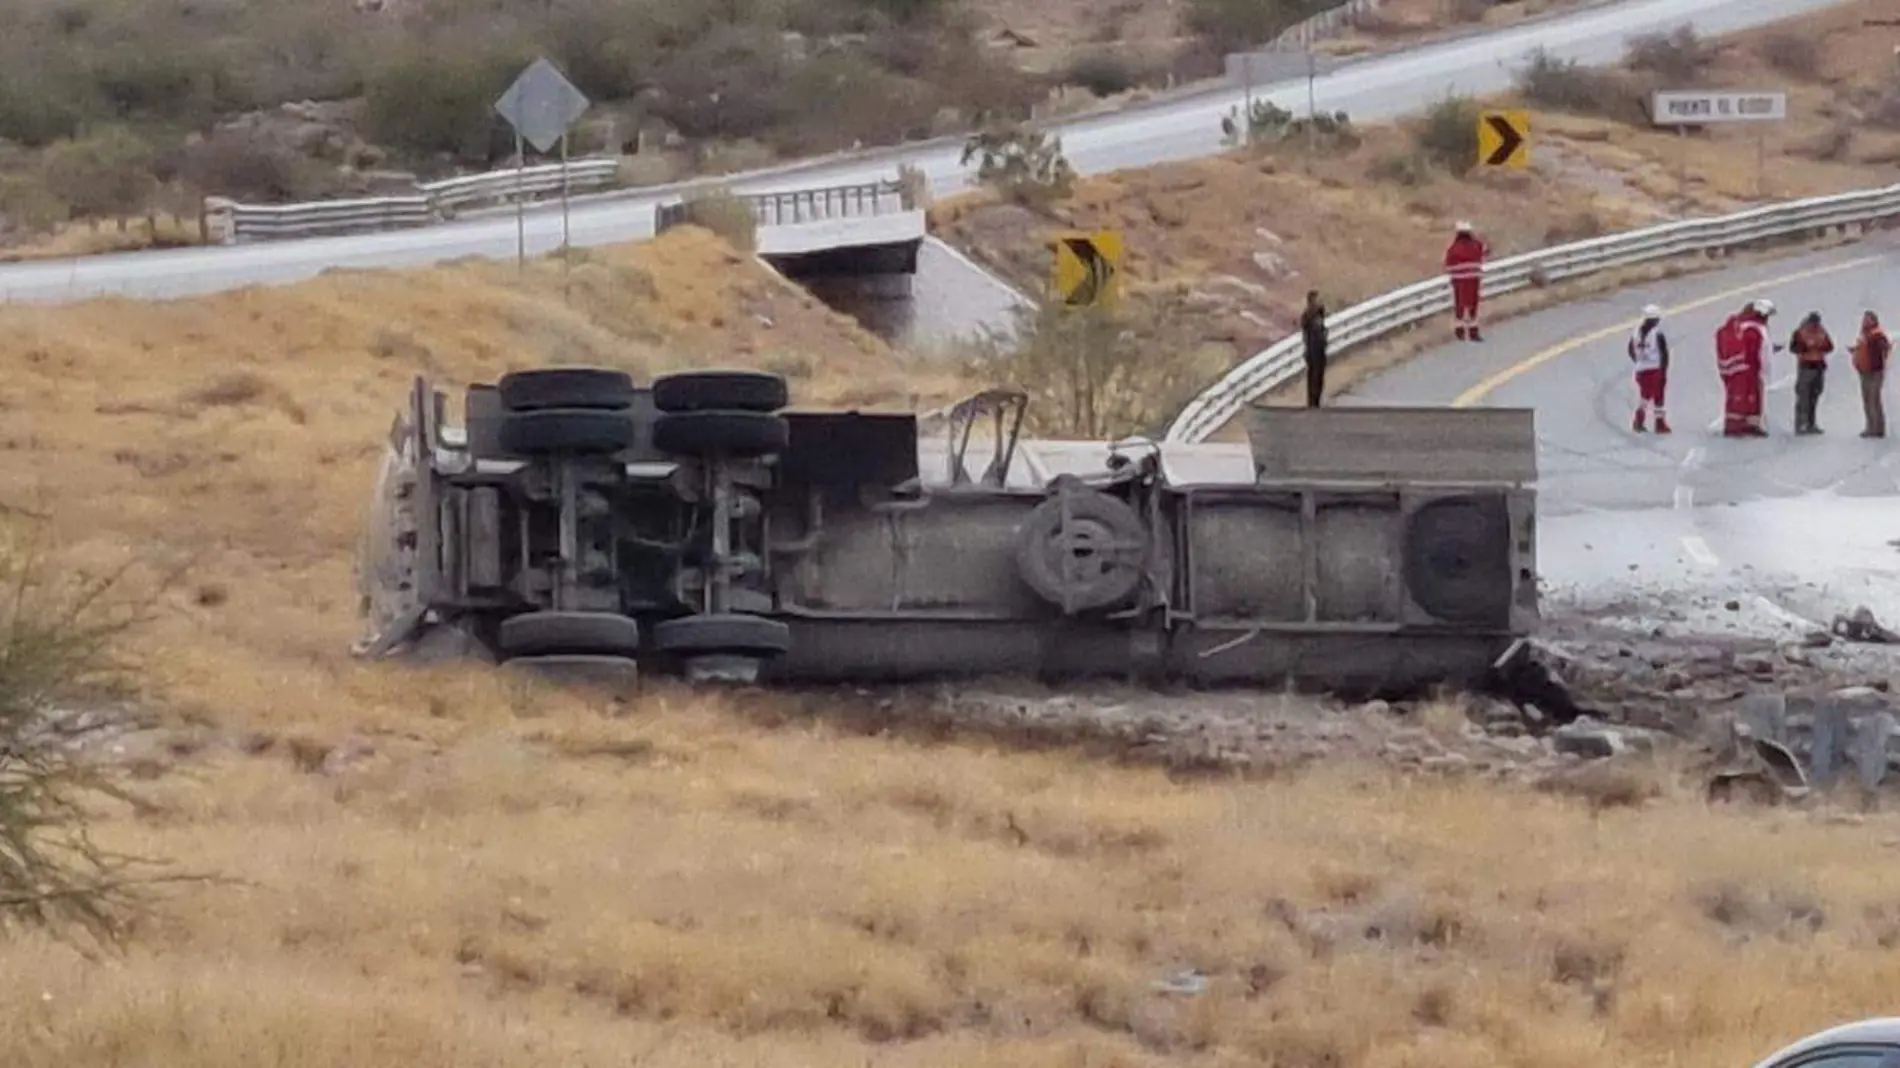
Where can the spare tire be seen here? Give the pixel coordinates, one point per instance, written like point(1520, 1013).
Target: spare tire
point(1082, 550)
point(1458, 560)
point(565, 387)
point(700, 391)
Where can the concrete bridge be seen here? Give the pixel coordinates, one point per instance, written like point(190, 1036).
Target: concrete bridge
point(850, 245)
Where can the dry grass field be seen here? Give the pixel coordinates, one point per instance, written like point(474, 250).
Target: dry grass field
point(457, 868)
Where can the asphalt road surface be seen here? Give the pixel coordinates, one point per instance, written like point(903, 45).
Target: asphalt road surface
point(1791, 528)
point(1374, 88)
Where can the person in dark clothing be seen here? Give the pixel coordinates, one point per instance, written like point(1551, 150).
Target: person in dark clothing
point(1810, 345)
point(1313, 331)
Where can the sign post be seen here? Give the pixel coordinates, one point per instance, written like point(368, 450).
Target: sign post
point(1685, 108)
point(541, 105)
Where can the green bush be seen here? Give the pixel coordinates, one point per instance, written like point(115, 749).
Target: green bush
point(35, 112)
point(1447, 135)
point(106, 175)
point(439, 103)
point(1103, 74)
point(729, 86)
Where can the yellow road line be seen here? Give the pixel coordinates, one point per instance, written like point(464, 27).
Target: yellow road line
point(1537, 359)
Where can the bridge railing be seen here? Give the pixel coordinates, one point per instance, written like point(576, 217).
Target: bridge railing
point(792, 207)
point(230, 222)
point(1405, 308)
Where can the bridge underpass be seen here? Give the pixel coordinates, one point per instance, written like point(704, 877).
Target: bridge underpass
point(864, 250)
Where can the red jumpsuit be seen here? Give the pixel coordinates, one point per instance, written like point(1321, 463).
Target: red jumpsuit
point(1464, 264)
point(1739, 348)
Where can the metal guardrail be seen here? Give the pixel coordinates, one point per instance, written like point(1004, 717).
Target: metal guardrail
point(1328, 23)
point(1374, 319)
point(795, 206)
point(230, 222)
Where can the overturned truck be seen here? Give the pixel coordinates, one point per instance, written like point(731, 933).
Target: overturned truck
point(580, 524)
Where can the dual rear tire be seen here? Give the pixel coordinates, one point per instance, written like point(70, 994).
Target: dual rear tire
point(717, 416)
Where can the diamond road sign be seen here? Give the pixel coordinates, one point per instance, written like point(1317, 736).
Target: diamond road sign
point(542, 104)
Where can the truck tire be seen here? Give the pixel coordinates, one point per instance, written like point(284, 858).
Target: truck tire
point(730, 634)
point(605, 672)
point(1083, 550)
point(556, 430)
point(700, 391)
point(735, 435)
point(586, 633)
point(565, 387)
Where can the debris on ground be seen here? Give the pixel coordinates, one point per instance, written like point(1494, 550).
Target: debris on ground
point(1861, 626)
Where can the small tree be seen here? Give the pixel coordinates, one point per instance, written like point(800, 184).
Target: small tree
point(726, 215)
point(1027, 166)
point(1097, 372)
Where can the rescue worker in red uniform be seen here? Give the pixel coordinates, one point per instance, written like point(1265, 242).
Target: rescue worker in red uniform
point(1649, 353)
point(1464, 264)
point(1740, 348)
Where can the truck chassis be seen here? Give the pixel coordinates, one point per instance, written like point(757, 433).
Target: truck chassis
point(582, 525)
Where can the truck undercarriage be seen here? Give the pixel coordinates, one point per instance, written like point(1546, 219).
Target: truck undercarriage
point(579, 524)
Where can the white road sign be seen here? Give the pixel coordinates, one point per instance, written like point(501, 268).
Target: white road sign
point(1693, 107)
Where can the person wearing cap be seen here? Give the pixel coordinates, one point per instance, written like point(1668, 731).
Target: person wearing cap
point(1464, 265)
point(1810, 344)
point(1649, 352)
point(1739, 349)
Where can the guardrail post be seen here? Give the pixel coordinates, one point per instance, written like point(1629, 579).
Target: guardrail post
point(220, 220)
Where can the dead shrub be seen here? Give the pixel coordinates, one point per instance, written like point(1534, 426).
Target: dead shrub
point(1577, 226)
point(1830, 146)
point(1680, 57)
point(729, 216)
point(1749, 911)
point(1565, 85)
point(230, 165)
point(1793, 54)
point(228, 391)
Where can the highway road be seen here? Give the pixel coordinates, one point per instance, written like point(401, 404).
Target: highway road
point(1183, 128)
point(1788, 529)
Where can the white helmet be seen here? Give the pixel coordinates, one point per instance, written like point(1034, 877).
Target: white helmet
point(1464, 227)
point(1763, 307)
point(1652, 311)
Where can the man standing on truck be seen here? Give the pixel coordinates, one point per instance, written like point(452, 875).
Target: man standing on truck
point(1313, 332)
point(1649, 352)
point(1810, 344)
point(1464, 264)
point(1871, 350)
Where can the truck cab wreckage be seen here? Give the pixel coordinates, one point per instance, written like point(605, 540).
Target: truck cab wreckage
point(580, 524)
